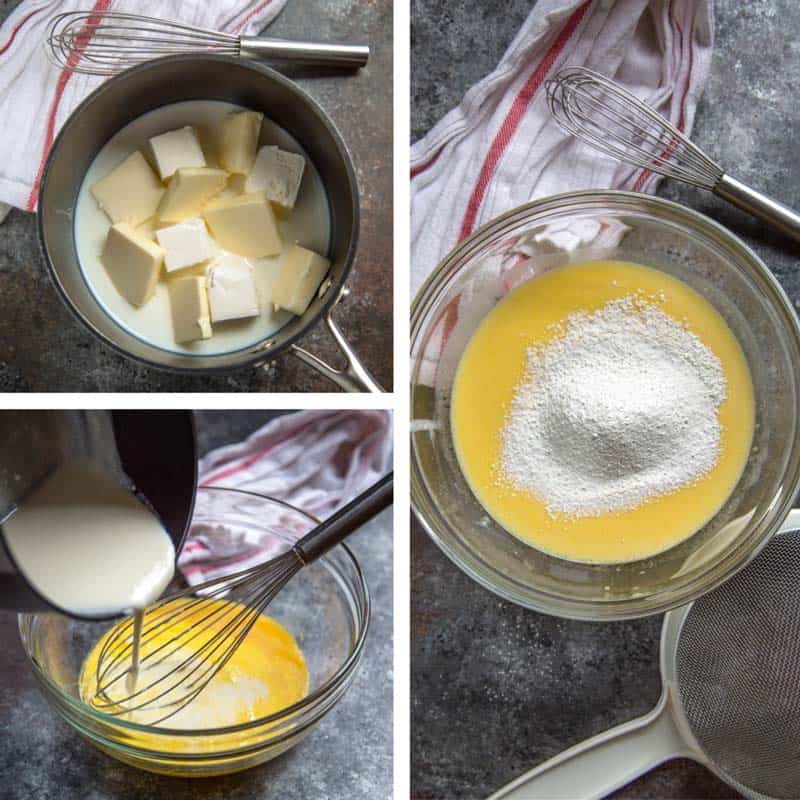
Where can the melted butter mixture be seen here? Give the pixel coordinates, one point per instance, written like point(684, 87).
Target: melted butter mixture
point(309, 225)
point(88, 545)
point(266, 674)
point(494, 364)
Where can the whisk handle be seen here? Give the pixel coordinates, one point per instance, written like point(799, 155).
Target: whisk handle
point(346, 520)
point(759, 205)
point(331, 54)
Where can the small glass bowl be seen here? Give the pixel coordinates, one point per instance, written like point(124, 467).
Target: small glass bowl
point(656, 233)
point(326, 607)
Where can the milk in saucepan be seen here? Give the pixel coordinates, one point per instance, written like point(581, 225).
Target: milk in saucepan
point(308, 224)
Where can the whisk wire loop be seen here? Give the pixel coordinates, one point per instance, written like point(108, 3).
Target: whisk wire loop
point(199, 638)
point(194, 672)
point(615, 121)
point(188, 637)
point(103, 43)
point(106, 42)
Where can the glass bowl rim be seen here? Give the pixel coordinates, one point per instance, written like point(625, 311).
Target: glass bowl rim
point(309, 702)
point(658, 209)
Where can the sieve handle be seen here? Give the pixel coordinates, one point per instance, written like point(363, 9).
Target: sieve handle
point(593, 769)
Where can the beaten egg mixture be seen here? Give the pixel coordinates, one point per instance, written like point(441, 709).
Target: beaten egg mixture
point(266, 674)
point(494, 365)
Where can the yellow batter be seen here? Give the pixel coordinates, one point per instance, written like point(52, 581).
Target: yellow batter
point(494, 364)
point(266, 674)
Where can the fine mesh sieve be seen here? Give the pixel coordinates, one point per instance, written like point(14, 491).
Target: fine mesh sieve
point(738, 673)
point(730, 665)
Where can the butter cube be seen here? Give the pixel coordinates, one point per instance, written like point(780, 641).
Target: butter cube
point(185, 244)
point(133, 262)
point(131, 192)
point(189, 303)
point(299, 279)
point(244, 225)
point(239, 140)
point(278, 174)
point(174, 149)
point(190, 188)
point(232, 292)
point(148, 229)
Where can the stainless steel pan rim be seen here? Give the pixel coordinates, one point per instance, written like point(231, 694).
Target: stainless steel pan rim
point(353, 377)
point(169, 490)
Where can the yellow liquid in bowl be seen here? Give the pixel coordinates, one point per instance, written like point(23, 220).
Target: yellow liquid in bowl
point(494, 364)
point(266, 674)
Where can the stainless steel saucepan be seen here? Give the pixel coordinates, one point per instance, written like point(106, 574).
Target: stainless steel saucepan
point(187, 77)
point(155, 450)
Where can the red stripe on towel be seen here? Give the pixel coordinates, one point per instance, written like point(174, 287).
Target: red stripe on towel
point(516, 113)
point(429, 163)
point(646, 173)
point(250, 16)
point(16, 30)
point(63, 80)
point(250, 460)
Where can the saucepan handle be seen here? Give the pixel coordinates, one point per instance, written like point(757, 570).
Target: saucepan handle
point(354, 376)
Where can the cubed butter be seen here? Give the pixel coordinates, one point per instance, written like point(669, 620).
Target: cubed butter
point(299, 279)
point(190, 188)
point(133, 262)
point(185, 244)
point(189, 303)
point(278, 174)
point(175, 149)
point(238, 140)
point(148, 229)
point(131, 192)
point(232, 292)
point(244, 225)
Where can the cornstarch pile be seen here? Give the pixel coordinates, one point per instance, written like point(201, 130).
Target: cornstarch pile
point(618, 408)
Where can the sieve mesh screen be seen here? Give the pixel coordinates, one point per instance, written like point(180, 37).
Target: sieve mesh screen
point(738, 673)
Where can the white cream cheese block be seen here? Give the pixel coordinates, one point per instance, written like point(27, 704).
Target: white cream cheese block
point(131, 192)
point(175, 149)
point(189, 303)
point(232, 292)
point(189, 189)
point(300, 276)
point(133, 262)
point(238, 141)
point(185, 244)
point(278, 173)
point(244, 225)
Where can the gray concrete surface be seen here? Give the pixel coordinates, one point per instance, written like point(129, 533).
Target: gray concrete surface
point(42, 348)
point(496, 689)
point(348, 755)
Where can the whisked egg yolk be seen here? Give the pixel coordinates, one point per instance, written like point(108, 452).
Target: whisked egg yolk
point(266, 674)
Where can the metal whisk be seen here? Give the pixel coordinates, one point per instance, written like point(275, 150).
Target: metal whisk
point(106, 42)
point(610, 118)
point(188, 637)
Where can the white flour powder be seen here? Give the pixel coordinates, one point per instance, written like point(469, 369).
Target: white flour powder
point(620, 407)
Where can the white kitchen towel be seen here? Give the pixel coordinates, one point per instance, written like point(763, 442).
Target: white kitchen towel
point(36, 97)
point(315, 460)
point(500, 147)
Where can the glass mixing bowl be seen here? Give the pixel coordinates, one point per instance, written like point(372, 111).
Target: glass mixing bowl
point(656, 233)
point(325, 606)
